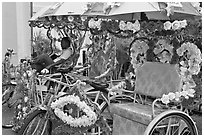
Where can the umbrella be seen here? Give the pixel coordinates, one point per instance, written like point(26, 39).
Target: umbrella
point(143, 10)
point(132, 10)
point(59, 9)
point(66, 8)
point(39, 13)
point(181, 10)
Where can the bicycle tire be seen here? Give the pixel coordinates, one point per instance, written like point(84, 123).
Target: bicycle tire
point(160, 119)
point(32, 117)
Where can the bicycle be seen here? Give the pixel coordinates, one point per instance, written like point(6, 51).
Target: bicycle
point(93, 97)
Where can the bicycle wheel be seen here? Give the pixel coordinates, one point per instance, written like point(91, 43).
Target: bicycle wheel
point(172, 122)
point(36, 124)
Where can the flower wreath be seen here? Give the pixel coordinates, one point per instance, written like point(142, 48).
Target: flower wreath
point(85, 120)
point(188, 66)
point(190, 60)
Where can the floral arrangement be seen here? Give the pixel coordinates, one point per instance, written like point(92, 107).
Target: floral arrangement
point(129, 26)
point(85, 120)
point(176, 25)
point(22, 95)
point(94, 24)
point(188, 66)
point(164, 51)
point(97, 24)
point(139, 48)
point(114, 89)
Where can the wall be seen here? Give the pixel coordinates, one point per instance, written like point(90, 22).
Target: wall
point(16, 33)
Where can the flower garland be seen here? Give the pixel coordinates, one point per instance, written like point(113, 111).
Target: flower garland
point(114, 89)
point(176, 25)
point(164, 56)
point(129, 26)
point(138, 48)
point(94, 24)
point(190, 65)
point(85, 120)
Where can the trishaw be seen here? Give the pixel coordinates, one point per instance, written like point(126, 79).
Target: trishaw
point(160, 57)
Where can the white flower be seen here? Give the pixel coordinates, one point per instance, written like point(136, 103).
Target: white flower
point(167, 25)
point(176, 25)
point(182, 63)
point(70, 18)
point(24, 109)
point(25, 99)
point(183, 69)
point(177, 96)
point(194, 70)
point(183, 23)
point(185, 94)
point(136, 26)
point(24, 74)
point(19, 106)
point(165, 99)
point(29, 73)
point(85, 120)
point(171, 96)
point(191, 92)
point(122, 25)
point(91, 23)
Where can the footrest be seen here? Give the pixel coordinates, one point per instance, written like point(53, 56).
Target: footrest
point(131, 118)
point(133, 111)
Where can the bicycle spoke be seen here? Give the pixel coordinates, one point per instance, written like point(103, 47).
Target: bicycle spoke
point(36, 129)
point(168, 127)
point(29, 127)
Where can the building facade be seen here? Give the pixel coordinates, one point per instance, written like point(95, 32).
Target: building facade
point(16, 33)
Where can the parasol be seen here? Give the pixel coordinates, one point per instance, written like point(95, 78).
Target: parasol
point(144, 11)
point(174, 11)
point(132, 10)
point(60, 9)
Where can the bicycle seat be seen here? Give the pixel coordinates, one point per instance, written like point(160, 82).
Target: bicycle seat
point(97, 85)
point(64, 70)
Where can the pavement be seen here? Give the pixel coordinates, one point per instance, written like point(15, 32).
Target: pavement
point(8, 113)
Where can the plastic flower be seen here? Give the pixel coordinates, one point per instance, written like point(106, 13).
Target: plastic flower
point(129, 25)
point(185, 94)
point(24, 109)
point(29, 73)
point(182, 63)
point(165, 99)
point(176, 25)
point(91, 23)
point(177, 96)
point(85, 120)
point(136, 26)
point(191, 92)
point(25, 99)
point(19, 106)
point(70, 18)
point(122, 25)
point(183, 70)
point(171, 96)
point(183, 23)
point(167, 25)
point(195, 69)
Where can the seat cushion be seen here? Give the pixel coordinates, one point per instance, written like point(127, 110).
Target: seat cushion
point(135, 112)
point(155, 79)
